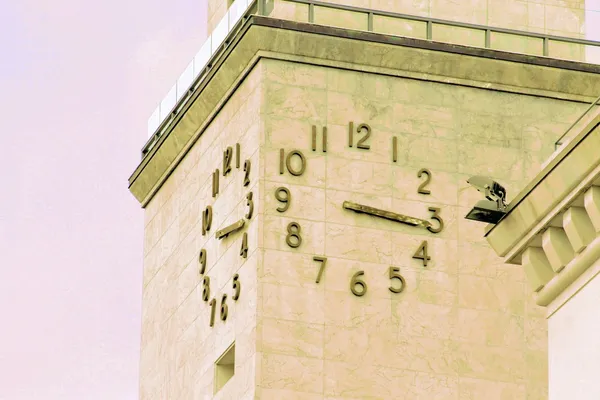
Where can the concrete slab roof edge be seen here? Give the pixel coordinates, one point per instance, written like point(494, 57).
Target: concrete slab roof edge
point(144, 192)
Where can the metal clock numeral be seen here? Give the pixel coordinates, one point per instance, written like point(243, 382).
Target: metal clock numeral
point(244, 249)
point(237, 287)
point(356, 281)
point(422, 253)
point(227, 158)
point(293, 230)
point(436, 217)
point(250, 204)
point(288, 162)
point(279, 195)
point(427, 173)
point(202, 261)
point(247, 166)
point(394, 273)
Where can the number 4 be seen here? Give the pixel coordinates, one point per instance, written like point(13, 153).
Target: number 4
point(422, 254)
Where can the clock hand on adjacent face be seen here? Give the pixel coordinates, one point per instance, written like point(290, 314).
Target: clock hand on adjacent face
point(359, 208)
point(230, 229)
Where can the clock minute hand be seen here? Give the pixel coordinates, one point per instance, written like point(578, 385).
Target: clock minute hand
point(359, 208)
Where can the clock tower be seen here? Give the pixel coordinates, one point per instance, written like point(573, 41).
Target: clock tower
point(305, 200)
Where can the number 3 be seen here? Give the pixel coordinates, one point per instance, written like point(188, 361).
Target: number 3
point(436, 217)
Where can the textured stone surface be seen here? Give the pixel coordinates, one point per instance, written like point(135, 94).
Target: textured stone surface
point(462, 326)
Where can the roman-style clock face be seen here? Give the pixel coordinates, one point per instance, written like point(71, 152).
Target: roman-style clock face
point(289, 197)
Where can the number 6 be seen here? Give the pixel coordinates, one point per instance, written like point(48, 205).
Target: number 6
point(357, 281)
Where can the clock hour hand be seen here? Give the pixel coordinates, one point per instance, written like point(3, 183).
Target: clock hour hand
point(359, 208)
point(230, 229)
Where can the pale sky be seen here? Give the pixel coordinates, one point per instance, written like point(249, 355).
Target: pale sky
point(78, 81)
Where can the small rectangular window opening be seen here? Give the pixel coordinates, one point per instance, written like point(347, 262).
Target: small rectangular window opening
point(225, 368)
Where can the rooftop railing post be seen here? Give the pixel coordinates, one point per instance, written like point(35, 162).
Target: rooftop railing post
point(429, 30)
point(370, 22)
point(546, 46)
point(311, 13)
point(261, 7)
point(488, 39)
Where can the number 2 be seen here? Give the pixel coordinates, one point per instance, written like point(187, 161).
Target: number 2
point(421, 189)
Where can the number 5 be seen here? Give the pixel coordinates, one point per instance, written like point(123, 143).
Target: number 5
point(394, 273)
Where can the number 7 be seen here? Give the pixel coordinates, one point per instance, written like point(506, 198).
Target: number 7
point(323, 261)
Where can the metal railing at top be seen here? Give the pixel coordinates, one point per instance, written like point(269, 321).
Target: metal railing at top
point(197, 69)
point(229, 25)
point(488, 30)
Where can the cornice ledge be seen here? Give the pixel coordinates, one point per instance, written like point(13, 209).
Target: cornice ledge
point(569, 174)
point(574, 269)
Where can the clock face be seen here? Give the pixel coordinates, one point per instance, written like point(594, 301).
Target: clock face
point(342, 198)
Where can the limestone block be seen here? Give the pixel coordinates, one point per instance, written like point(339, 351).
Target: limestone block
point(459, 35)
point(364, 380)
point(312, 234)
point(295, 102)
point(341, 18)
point(293, 303)
point(492, 294)
point(314, 174)
point(471, 388)
point(592, 206)
point(379, 142)
point(417, 353)
point(490, 328)
point(378, 113)
point(579, 228)
point(292, 269)
point(491, 362)
point(399, 27)
point(537, 267)
point(346, 310)
point(370, 245)
point(293, 338)
point(507, 14)
point(278, 394)
point(295, 373)
point(557, 248)
point(517, 44)
point(289, 10)
point(297, 74)
point(425, 320)
point(565, 19)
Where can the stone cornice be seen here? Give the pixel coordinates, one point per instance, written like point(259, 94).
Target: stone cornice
point(553, 230)
point(378, 53)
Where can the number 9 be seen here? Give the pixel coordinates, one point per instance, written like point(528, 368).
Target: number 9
point(286, 200)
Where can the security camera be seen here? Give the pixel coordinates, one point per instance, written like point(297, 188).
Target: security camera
point(494, 208)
